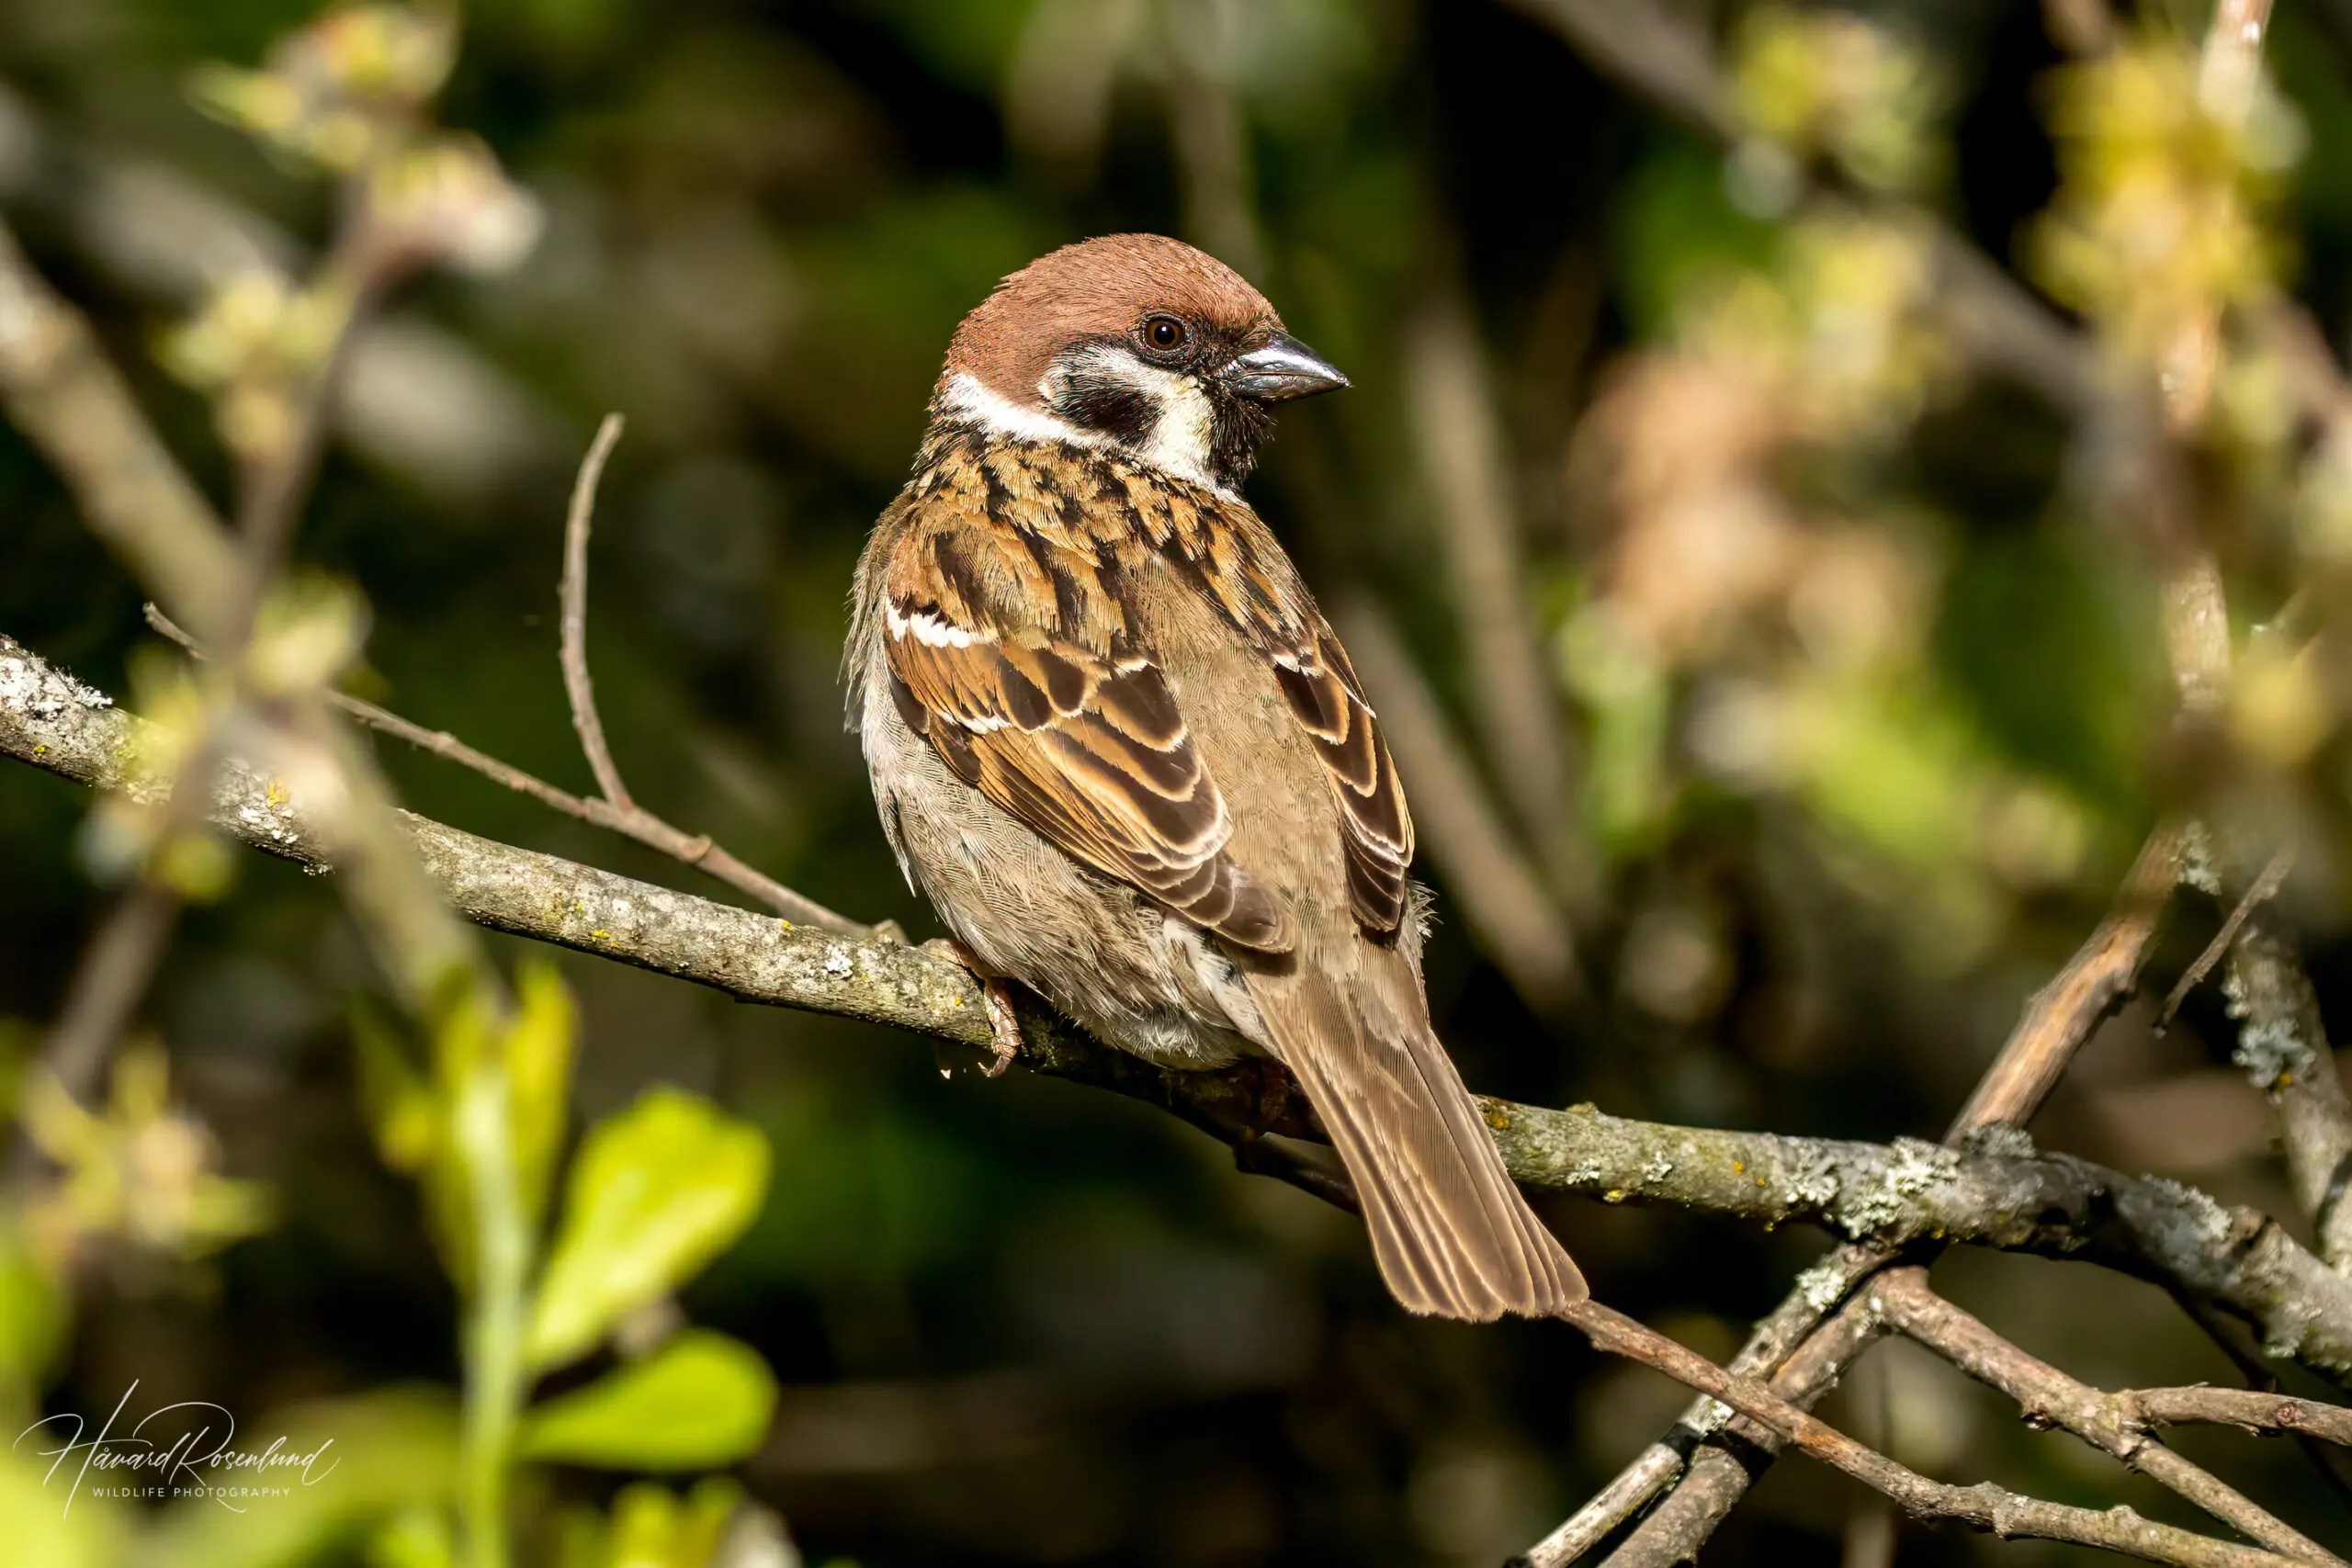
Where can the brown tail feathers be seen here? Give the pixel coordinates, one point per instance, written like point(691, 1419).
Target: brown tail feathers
point(1451, 1234)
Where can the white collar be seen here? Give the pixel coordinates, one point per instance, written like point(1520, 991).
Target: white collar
point(966, 396)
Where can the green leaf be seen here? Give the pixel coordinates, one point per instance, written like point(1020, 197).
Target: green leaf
point(701, 1401)
point(465, 1034)
point(415, 1538)
point(656, 1193)
point(399, 1105)
point(32, 1318)
point(539, 1045)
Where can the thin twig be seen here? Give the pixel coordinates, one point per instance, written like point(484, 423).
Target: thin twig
point(1983, 1506)
point(1873, 1525)
point(2268, 1415)
point(2056, 1023)
point(2229, 63)
point(59, 388)
point(577, 686)
point(1634, 1485)
point(2265, 887)
point(2048, 1396)
point(2095, 982)
point(1666, 57)
point(1717, 1479)
point(2231, 1336)
point(1512, 694)
point(360, 270)
point(634, 822)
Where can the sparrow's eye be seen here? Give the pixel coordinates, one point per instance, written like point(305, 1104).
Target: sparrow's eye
point(1165, 334)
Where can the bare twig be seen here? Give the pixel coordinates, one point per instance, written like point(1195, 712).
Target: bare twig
point(356, 274)
point(1983, 1506)
point(2047, 1396)
point(577, 686)
point(1716, 1479)
point(635, 821)
point(2096, 981)
point(1209, 133)
point(1652, 1471)
point(2231, 1336)
point(1873, 1525)
point(1498, 890)
point(2269, 1414)
point(2060, 1016)
point(1514, 697)
point(2228, 66)
point(1661, 55)
point(2266, 887)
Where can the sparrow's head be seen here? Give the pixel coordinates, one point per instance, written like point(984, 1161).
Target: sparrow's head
point(1134, 341)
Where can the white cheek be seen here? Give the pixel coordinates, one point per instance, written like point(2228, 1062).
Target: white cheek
point(1179, 441)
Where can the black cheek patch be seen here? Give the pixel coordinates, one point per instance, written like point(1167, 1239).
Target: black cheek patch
point(1110, 406)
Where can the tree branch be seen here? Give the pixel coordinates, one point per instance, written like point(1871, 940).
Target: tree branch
point(2047, 1396)
point(1983, 1507)
point(2048, 1204)
point(1801, 1355)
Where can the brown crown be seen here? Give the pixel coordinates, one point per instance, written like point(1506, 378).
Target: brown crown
point(1101, 288)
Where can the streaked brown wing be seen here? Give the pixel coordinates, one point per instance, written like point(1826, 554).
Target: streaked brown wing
point(1376, 828)
point(1084, 744)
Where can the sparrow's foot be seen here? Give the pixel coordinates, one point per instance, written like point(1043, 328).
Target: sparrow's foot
point(1004, 1024)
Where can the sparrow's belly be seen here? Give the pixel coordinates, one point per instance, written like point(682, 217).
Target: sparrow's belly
point(1110, 957)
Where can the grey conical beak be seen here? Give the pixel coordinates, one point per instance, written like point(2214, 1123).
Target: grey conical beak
point(1282, 368)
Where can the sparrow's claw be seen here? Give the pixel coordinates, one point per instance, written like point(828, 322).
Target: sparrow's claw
point(1004, 1024)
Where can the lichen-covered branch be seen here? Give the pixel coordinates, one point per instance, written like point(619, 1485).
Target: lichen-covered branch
point(2283, 1047)
point(2004, 1195)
